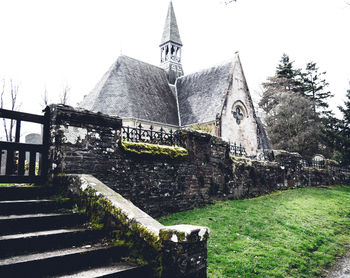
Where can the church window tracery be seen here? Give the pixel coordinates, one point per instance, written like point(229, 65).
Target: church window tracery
point(239, 112)
point(238, 115)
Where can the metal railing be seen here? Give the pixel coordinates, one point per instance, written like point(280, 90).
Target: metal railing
point(313, 163)
point(345, 169)
point(237, 150)
point(161, 137)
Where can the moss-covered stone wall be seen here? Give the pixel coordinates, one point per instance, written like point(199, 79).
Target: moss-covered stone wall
point(165, 251)
point(162, 180)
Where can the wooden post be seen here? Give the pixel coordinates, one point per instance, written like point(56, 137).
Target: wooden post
point(46, 143)
point(18, 131)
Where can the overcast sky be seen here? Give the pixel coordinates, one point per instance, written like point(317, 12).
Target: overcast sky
point(52, 44)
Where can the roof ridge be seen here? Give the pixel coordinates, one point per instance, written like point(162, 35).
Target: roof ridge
point(126, 56)
point(223, 63)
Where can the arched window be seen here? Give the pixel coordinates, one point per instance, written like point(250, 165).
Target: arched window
point(162, 54)
point(166, 53)
point(172, 52)
point(239, 111)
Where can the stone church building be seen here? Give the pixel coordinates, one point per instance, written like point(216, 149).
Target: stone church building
point(216, 99)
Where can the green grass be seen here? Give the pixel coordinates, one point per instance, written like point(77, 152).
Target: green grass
point(6, 184)
point(14, 184)
point(293, 233)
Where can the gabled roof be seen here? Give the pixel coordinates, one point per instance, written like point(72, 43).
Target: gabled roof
point(201, 95)
point(171, 31)
point(134, 89)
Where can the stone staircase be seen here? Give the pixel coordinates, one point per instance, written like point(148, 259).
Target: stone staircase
point(43, 237)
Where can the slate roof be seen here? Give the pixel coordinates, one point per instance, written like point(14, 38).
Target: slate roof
point(134, 89)
point(171, 31)
point(201, 95)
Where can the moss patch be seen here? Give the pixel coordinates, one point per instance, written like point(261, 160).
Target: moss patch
point(143, 245)
point(152, 149)
point(241, 160)
point(203, 128)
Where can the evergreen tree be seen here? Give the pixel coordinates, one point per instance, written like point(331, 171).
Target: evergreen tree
point(286, 79)
point(291, 100)
point(343, 139)
point(346, 115)
point(303, 95)
point(285, 68)
point(336, 134)
point(288, 76)
point(314, 86)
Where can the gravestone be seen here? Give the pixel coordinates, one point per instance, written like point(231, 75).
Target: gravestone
point(33, 138)
point(3, 162)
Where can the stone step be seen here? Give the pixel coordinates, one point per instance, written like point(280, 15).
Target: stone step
point(47, 241)
point(15, 224)
point(11, 245)
point(23, 192)
point(117, 270)
point(59, 262)
point(12, 207)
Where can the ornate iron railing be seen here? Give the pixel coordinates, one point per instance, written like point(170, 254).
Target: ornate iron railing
point(345, 169)
point(237, 150)
point(161, 137)
point(314, 163)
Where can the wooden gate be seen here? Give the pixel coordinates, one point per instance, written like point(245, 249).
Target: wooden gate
point(14, 167)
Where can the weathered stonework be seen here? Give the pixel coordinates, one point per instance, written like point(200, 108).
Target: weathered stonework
point(161, 184)
point(81, 140)
point(173, 251)
point(245, 130)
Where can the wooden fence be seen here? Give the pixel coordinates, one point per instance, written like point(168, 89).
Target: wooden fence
point(15, 168)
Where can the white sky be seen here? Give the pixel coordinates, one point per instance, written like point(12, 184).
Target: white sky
point(51, 44)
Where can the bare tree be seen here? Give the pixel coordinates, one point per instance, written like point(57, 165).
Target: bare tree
point(65, 95)
point(2, 94)
point(45, 98)
point(13, 94)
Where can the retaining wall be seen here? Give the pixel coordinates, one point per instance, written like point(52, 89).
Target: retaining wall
point(84, 142)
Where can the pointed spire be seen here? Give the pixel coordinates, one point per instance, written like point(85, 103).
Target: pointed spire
point(171, 31)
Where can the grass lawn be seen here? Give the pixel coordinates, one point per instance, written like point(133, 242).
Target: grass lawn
point(6, 184)
point(292, 233)
point(15, 184)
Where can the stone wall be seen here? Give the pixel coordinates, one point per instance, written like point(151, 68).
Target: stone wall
point(178, 251)
point(88, 143)
point(81, 141)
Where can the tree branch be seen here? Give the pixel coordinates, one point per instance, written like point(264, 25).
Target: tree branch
point(13, 102)
point(65, 95)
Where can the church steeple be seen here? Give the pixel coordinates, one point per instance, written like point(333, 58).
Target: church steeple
point(170, 47)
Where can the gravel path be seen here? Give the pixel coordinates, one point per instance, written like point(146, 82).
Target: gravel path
point(341, 269)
